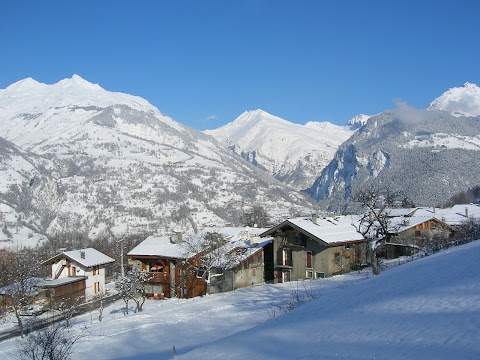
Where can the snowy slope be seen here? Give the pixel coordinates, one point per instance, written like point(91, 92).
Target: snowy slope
point(32, 113)
point(459, 101)
point(25, 190)
point(292, 153)
point(409, 312)
point(118, 163)
point(426, 309)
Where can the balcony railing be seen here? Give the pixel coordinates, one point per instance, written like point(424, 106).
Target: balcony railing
point(159, 277)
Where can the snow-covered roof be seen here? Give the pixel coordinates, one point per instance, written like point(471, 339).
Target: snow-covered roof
point(399, 224)
point(60, 281)
point(158, 246)
point(236, 233)
point(88, 257)
point(454, 215)
point(400, 212)
point(331, 230)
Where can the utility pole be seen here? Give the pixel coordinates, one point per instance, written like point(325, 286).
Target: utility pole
point(121, 258)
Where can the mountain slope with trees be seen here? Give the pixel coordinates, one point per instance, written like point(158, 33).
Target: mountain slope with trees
point(111, 163)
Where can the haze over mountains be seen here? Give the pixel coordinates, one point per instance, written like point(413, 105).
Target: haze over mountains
point(75, 156)
point(427, 155)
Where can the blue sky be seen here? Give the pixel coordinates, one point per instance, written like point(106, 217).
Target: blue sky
point(205, 62)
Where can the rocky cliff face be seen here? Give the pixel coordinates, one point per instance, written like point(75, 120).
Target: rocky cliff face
point(425, 155)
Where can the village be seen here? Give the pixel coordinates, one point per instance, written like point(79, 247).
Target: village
point(222, 259)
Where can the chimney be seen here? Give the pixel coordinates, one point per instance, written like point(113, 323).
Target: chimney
point(314, 218)
point(176, 237)
point(82, 254)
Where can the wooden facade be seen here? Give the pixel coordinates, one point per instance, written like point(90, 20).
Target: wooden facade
point(420, 233)
point(71, 290)
point(170, 277)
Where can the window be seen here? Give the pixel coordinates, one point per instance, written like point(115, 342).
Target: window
point(319, 275)
point(308, 259)
point(309, 274)
point(286, 276)
point(418, 233)
point(284, 257)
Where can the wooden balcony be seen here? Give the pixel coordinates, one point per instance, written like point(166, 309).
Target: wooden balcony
point(159, 277)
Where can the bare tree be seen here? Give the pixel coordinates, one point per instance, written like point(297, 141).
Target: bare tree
point(124, 287)
point(467, 231)
point(139, 280)
point(256, 216)
point(53, 342)
point(208, 251)
point(374, 223)
point(133, 287)
point(68, 307)
point(20, 269)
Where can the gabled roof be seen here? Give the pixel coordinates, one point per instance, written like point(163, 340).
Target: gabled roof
point(158, 246)
point(400, 224)
point(249, 250)
point(236, 233)
point(88, 257)
point(400, 212)
point(329, 230)
point(454, 215)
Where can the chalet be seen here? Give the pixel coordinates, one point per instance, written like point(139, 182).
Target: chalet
point(252, 266)
point(308, 248)
point(164, 259)
point(76, 273)
point(452, 216)
point(246, 253)
point(417, 226)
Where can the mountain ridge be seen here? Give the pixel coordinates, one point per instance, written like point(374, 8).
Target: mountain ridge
point(117, 163)
point(290, 152)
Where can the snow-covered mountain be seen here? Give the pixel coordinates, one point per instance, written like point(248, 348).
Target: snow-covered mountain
point(425, 155)
point(105, 162)
point(358, 121)
point(294, 154)
point(459, 101)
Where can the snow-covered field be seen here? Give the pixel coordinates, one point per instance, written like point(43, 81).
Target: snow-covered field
point(426, 309)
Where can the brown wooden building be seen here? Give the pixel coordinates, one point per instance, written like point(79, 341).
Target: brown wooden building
point(163, 258)
point(64, 290)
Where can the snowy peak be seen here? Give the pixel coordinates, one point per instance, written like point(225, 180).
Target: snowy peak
point(255, 117)
point(77, 82)
point(23, 86)
point(459, 101)
point(293, 153)
point(32, 97)
point(358, 121)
